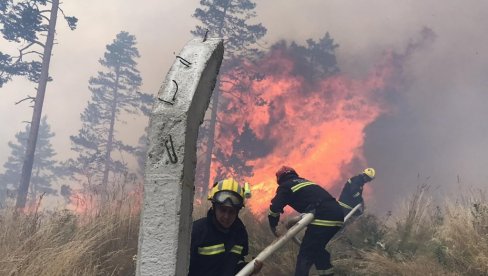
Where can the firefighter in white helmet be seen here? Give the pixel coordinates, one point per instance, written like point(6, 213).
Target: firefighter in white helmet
point(219, 241)
point(352, 193)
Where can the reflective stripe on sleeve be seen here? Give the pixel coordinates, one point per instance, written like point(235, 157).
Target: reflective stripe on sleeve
point(301, 185)
point(344, 205)
point(237, 249)
point(212, 250)
point(356, 194)
point(273, 214)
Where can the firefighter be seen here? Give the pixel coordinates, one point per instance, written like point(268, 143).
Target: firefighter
point(305, 196)
point(352, 193)
point(219, 241)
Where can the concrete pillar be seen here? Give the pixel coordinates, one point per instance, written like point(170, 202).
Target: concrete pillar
point(164, 235)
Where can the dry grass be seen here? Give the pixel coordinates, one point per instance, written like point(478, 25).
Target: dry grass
point(422, 239)
point(64, 243)
point(464, 236)
point(260, 236)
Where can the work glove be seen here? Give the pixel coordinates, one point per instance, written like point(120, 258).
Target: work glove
point(273, 222)
point(361, 209)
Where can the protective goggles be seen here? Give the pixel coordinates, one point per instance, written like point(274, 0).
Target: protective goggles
point(227, 197)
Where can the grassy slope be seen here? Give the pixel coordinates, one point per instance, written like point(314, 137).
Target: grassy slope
point(423, 239)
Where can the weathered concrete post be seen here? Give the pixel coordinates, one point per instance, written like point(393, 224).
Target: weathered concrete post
point(164, 235)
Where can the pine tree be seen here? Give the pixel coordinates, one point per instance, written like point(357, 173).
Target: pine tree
point(143, 142)
point(314, 62)
point(24, 23)
point(45, 168)
point(317, 60)
point(114, 93)
point(227, 19)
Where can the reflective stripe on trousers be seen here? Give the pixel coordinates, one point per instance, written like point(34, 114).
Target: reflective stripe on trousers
point(329, 223)
point(329, 271)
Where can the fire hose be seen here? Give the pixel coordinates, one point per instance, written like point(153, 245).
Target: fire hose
point(304, 221)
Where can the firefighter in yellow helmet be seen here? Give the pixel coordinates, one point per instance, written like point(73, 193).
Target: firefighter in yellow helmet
point(352, 193)
point(219, 241)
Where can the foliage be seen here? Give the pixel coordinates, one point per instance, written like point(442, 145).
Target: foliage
point(422, 239)
point(68, 243)
point(104, 241)
point(114, 94)
point(314, 62)
point(23, 23)
point(317, 60)
point(45, 169)
point(229, 19)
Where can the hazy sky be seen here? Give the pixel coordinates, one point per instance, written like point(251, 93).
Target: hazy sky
point(438, 130)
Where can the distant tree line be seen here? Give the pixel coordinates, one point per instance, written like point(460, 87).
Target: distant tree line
point(29, 27)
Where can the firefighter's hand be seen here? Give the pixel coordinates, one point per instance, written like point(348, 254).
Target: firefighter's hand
point(273, 221)
point(257, 267)
point(276, 233)
point(291, 222)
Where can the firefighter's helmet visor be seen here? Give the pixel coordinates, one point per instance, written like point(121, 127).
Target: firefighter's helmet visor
point(228, 197)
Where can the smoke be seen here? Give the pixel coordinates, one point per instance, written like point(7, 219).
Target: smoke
point(433, 125)
point(435, 130)
point(317, 125)
point(434, 135)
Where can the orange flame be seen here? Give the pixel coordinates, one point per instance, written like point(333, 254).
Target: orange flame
point(318, 128)
point(80, 203)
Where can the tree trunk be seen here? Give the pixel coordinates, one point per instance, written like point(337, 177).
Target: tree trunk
point(110, 138)
point(213, 119)
point(210, 140)
point(37, 112)
point(33, 187)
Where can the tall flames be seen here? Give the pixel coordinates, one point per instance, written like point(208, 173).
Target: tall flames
point(277, 111)
point(317, 127)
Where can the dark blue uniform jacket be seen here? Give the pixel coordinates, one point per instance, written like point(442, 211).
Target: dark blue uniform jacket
point(352, 193)
point(304, 196)
point(215, 253)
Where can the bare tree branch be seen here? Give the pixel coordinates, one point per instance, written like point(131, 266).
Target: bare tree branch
point(33, 99)
point(64, 15)
point(45, 17)
point(25, 48)
point(34, 52)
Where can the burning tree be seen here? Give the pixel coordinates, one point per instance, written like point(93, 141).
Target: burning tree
point(309, 63)
point(311, 119)
point(227, 19)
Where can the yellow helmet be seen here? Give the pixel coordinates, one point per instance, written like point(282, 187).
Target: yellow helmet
point(229, 192)
point(370, 172)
